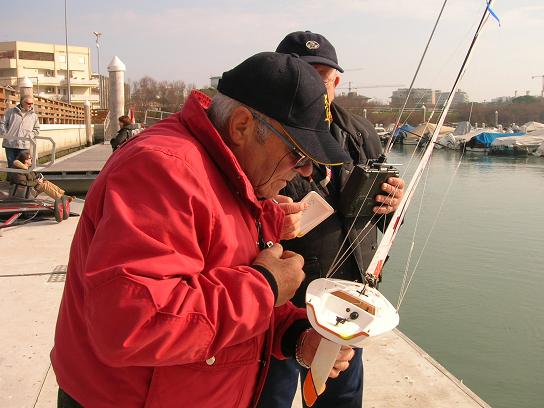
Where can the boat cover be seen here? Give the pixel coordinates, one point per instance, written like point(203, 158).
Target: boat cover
point(540, 150)
point(526, 140)
point(485, 139)
point(403, 129)
point(532, 126)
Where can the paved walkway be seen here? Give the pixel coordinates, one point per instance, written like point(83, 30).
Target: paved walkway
point(90, 159)
point(34, 258)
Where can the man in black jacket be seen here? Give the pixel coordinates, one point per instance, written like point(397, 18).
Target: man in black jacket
point(320, 246)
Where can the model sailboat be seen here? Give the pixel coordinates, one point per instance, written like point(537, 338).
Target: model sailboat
point(345, 312)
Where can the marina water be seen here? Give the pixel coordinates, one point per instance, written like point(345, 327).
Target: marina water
point(475, 303)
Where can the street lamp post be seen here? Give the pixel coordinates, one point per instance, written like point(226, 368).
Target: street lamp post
point(67, 56)
point(97, 34)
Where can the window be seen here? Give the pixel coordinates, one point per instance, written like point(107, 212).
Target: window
point(82, 60)
point(36, 56)
point(7, 54)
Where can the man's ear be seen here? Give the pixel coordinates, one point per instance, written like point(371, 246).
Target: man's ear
point(240, 126)
point(337, 80)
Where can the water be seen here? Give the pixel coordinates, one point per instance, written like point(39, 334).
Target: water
point(476, 300)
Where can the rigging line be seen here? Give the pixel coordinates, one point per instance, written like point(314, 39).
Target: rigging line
point(439, 73)
point(329, 272)
point(401, 299)
point(389, 144)
point(358, 239)
point(405, 280)
point(383, 249)
point(339, 260)
point(412, 246)
point(425, 157)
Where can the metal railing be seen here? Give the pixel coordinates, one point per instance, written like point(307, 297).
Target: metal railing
point(33, 152)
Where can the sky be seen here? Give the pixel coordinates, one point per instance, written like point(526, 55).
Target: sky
point(378, 42)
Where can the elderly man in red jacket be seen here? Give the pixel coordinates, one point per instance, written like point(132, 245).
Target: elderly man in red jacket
point(177, 290)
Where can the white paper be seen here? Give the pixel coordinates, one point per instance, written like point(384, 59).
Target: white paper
point(318, 211)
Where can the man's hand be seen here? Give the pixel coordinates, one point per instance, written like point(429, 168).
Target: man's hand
point(309, 347)
point(293, 215)
point(394, 191)
point(286, 267)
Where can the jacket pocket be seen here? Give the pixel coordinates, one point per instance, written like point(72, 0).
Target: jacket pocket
point(225, 380)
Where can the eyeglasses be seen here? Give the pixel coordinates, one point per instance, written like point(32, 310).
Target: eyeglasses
point(301, 159)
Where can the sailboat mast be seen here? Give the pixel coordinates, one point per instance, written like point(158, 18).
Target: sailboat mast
point(375, 267)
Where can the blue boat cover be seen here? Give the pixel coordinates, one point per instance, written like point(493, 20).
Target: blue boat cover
point(485, 139)
point(404, 128)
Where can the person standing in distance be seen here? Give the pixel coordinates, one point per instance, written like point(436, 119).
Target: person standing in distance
point(319, 247)
point(17, 127)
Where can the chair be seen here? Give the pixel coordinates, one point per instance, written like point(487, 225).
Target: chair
point(22, 191)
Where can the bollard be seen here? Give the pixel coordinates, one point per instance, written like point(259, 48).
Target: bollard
point(116, 71)
point(88, 126)
point(25, 87)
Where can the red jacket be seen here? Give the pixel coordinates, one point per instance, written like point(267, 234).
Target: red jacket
point(160, 307)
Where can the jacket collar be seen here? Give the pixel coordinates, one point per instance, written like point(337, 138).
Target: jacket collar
point(21, 111)
point(195, 119)
point(20, 165)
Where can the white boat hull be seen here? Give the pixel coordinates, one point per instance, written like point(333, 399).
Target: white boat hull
point(348, 312)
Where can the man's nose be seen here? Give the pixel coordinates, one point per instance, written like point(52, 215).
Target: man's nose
point(306, 170)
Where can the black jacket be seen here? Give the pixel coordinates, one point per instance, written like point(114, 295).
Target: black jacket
point(22, 179)
point(320, 245)
point(125, 133)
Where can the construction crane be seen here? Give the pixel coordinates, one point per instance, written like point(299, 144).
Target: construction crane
point(350, 87)
point(540, 76)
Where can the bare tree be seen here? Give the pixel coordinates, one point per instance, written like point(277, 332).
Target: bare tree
point(149, 94)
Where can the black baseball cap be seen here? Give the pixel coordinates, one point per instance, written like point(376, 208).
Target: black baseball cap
point(287, 89)
point(312, 48)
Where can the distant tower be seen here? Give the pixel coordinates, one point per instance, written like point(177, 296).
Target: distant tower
point(540, 76)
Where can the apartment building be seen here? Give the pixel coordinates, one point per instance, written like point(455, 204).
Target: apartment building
point(459, 98)
point(426, 96)
point(46, 66)
point(418, 97)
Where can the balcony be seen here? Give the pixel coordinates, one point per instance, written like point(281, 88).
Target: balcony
point(46, 80)
point(8, 63)
point(80, 98)
point(80, 82)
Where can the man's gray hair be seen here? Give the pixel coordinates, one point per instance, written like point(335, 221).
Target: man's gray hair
point(220, 111)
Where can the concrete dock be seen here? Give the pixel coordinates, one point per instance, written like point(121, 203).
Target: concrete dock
point(75, 172)
point(34, 258)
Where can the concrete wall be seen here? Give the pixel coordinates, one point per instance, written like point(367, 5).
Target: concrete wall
point(65, 136)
